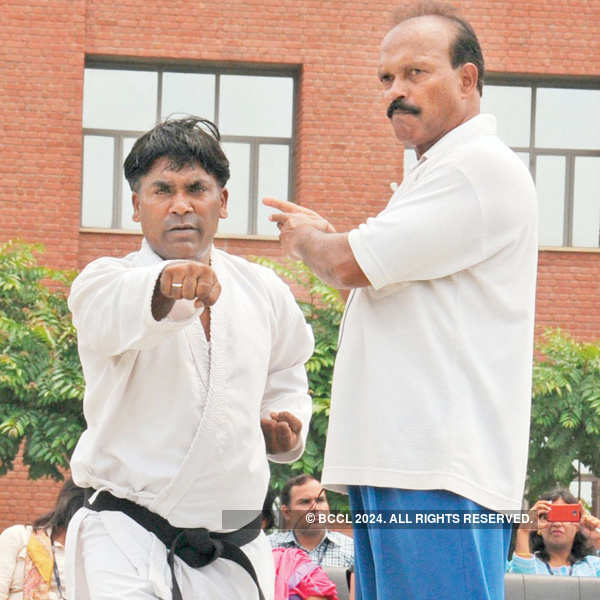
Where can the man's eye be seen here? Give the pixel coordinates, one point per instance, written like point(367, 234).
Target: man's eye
point(415, 72)
point(196, 189)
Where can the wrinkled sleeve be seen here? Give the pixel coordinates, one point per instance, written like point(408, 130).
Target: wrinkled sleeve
point(286, 387)
point(111, 305)
point(524, 566)
point(430, 232)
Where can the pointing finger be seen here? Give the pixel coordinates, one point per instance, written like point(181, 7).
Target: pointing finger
point(289, 207)
point(282, 205)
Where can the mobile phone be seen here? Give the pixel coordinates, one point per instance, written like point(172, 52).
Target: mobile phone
point(569, 513)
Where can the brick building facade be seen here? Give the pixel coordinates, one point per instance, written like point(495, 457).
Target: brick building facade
point(343, 156)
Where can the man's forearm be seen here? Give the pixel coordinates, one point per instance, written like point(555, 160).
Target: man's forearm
point(329, 255)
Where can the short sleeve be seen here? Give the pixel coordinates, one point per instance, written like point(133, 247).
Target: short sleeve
point(432, 231)
point(518, 564)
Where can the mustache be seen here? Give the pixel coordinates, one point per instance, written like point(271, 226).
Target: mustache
point(399, 104)
point(182, 222)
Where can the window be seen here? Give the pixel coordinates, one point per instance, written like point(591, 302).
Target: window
point(555, 129)
point(253, 110)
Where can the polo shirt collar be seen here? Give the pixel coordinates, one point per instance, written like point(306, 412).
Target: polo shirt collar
point(477, 126)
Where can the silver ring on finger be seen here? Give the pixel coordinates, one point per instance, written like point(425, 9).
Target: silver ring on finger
point(176, 285)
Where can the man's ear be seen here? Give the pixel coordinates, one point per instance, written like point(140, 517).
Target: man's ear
point(469, 76)
point(285, 512)
point(224, 198)
point(136, 207)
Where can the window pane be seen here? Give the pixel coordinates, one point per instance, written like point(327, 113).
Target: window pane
point(256, 106)
point(188, 93)
point(126, 206)
point(567, 118)
point(512, 107)
point(239, 188)
point(97, 194)
point(586, 204)
point(550, 184)
point(115, 99)
point(524, 156)
point(273, 171)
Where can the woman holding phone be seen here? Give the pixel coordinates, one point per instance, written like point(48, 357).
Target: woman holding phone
point(558, 547)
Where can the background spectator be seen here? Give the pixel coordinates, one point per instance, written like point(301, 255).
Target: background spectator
point(296, 576)
point(299, 496)
point(557, 548)
point(32, 556)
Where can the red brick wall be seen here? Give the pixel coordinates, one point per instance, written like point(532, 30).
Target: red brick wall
point(23, 500)
point(568, 293)
point(41, 84)
point(346, 154)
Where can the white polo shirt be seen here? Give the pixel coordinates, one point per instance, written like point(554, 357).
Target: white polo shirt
point(432, 382)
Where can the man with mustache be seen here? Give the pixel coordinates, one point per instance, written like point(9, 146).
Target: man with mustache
point(194, 368)
point(433, 370)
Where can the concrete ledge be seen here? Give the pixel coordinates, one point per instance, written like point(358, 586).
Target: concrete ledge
point(517, 587)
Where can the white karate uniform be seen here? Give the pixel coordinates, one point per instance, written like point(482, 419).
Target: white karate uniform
point(174, 421)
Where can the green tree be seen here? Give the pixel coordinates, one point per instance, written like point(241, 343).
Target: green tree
point(41, 384)
point(322, 307)
point(565, 412)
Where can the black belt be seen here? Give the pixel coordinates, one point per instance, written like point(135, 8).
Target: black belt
point(197, 547)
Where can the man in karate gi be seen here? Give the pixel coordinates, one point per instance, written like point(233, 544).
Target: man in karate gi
point(433, 371)
point(194, 368)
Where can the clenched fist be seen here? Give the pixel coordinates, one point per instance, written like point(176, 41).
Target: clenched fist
point(191, 280)
point(281, 432)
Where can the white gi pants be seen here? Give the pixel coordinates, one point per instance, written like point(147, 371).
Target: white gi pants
point(110, 556)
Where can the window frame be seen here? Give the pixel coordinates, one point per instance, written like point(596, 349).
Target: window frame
point(533, 83)
point(217, 69)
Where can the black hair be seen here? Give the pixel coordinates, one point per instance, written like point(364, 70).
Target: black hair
point(465, 49)
point(267, 513)
point(290, 483)
point(580, 548)
point(184, 142)
point(69, 500)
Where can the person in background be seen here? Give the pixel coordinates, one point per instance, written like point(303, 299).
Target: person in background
point(593, 535)
point(296, 575)
point(32, 556)
point(299, 496)
point(557, 548)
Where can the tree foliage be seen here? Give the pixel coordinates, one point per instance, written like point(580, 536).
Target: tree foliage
point(41, 384)
point(565, 412)
point(322, 307)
